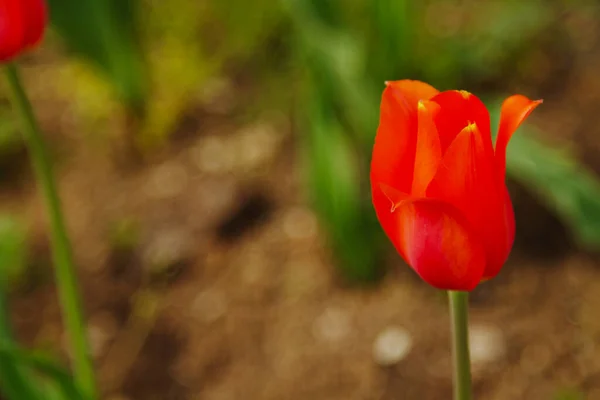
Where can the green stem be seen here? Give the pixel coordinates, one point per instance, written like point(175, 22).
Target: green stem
point(61, 249)
point(459, 309)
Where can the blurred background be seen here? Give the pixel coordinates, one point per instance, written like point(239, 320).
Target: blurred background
point(213, 166)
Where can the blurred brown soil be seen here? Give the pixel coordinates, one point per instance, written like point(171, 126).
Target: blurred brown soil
point(228, 291)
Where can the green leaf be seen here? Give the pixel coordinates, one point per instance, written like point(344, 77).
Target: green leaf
point(13, 252)
point(103, 32)
point(391, 48)
point(15, 382)
point(338, 195)
point(59, 381)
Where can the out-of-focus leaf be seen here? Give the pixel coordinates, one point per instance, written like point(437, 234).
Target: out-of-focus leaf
point(177, 64)
point(12, 251)
point(336, 59)
point(103, 32)
point(15, 382)
point(247, 25)
point(511, 25)
point(569, 394)
point(391, 48)
point(57, 382)
point(339, 109)
point(560, 181)
point(335, 180)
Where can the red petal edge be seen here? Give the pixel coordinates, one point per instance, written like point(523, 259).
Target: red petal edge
point(393, 158)
point(515, 109)
point(435, 239)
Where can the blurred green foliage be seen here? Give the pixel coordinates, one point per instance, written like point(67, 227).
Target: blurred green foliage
point(105, 33)
point(13, 251)
point(334, 176)
point(24, 375)
point(189, 43)
point(30, 375)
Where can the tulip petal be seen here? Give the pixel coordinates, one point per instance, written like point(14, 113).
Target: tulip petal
point(411, 91)
point(514, 111)
point(507, 236)
point(435, 239)
point(458, 109)
point(395, 143)
point(466, 179)
point(36, 21)
point(12, 29)
point(429, 151)
point(393, 156)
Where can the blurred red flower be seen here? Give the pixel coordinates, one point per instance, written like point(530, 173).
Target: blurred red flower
point(438, 184)
point(22, 25)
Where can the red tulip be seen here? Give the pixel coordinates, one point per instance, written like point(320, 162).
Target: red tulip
point(438, 184)
point(22, 25)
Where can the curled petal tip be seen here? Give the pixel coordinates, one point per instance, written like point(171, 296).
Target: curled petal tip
point(464, 94)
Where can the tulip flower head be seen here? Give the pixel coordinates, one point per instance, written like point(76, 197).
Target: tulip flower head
point(438, 183)
point(22, 25)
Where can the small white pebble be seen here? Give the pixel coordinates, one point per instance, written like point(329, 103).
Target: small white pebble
point(486, 344)
point(256, 145)
point(391, 346)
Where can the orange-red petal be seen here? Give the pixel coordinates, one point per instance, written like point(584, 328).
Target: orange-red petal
point(411, 91)
point(36, 13)
point(458, 109)
point(22, 24)
point(12, 28)
point(435, 239)
point(514, 111)
point(466, 179)
point(506, 236)
point(393, 158)
point(429, 151)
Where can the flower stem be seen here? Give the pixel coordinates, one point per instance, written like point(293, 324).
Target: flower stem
point(459, 304)
point(61, 248)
